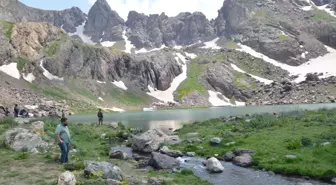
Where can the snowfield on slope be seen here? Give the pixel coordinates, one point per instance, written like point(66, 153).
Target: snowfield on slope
point(263, 80)
point(120, 84)
point(11, 70)
point(217, 102)
point(29, 77)
point(48, 75)
point(211, 44)
point(324, 64)
point(167, 95)
point(80, 33)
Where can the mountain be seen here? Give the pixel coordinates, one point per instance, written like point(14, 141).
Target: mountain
point(255, 52)
point(15, 11)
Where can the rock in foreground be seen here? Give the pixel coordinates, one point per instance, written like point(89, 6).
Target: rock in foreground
point(244, 160)
point(161, 161)
point(66, 178)
point(20, 139)
point(171, 153)
point(109, 170)
point(214, 166)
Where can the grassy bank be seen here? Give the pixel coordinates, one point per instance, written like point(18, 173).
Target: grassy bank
point(304, 134)
point(43, 168)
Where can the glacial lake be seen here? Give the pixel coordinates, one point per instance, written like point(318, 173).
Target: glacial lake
point(167, 120)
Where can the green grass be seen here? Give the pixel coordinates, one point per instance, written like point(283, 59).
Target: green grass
point(181, 178)
point(192, 84)
point(239, 80)
point(56, 93)
point(299, 133)
point(283, 37)
point(321, 15)
point(231, 45)
point(21, 63)
point(52, 49)
point(7, 28)
point(127, 98)
point(261, 13)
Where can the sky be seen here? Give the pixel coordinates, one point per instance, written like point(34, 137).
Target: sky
point(170, 7)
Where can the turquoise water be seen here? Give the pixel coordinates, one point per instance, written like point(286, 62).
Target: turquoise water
point(174, 119)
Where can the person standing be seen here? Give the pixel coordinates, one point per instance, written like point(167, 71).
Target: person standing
point(7, 112)
point(63, 139)
point(63, 114)
point(16, 111)
point(100, 117)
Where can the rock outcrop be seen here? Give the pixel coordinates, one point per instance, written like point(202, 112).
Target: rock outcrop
point(108, 170)
point(66, 178)
point(149, 141)
point(156, 30)
point(22, 139)
point(214, 166)
point(103, 23)
point(161, 161)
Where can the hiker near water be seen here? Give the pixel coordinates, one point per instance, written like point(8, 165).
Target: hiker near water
point(100, 117)
point(63, 139)
point(16, 111)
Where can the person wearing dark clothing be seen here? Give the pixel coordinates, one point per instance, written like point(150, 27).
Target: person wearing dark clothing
point(7, 112)
point(100, 117)
point(23, 113)
point(63, 138)
point(63, 114)
point(16, 111)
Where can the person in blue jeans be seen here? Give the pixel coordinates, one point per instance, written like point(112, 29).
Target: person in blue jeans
point(63, 139)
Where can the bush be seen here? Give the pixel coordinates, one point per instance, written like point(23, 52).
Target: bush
point(21, 156)
point(187, 172)
point(306, 142)
point(293, 144)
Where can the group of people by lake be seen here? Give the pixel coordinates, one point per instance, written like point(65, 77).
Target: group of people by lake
point(23, 113)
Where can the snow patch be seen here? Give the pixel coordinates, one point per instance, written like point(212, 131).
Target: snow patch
point(191, 55)
point(101, 82)
point(326, 9)
point(11, 70)
point(48, 75)
point(263, 80)
point(149, 109)
point(80, 33)
point(120, 84)
point(115, 109)
point(129, 46)
point(211, 44)
point(100, 98)
point(103, 33)
point(324, 64)
point(29, 77)
point(143, 50)
point(107, 43)
point(178, 47)
point(167, 95)
point(216, 101)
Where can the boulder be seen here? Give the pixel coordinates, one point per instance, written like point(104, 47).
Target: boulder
point(244, 160)
point(215, 140)
point(241, 151)
point(113, 125)
point(191, 154)
point(214, 166)
point(150, 141)
point(118, 155)
point(109, 170)
point(19, 139)
point(229, 156)
point(38, 126)
point(171, 153)
point(290, 156)
point(161, 161)
point(192, 134)
point(66, 178)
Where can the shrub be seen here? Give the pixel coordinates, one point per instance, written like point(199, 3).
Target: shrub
point(293, 144)
point(21, 156)
point(74, 166)
point(306, 141)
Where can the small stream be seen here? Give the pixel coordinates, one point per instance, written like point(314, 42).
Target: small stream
point(232, 175)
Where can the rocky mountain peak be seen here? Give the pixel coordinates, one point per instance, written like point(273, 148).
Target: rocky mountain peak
point(103, 23)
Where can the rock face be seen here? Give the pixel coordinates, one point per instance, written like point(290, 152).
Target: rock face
point(30, 38)
point(19, 139)
point(214, 166)
point(156, 30)
point(103, 23)
point(15, 11)
point(67, 178)
point(160, 161)
point(38, 126)
point(109, 170)
point(150, 141)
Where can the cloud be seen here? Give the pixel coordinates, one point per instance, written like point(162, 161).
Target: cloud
point(170, 7)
